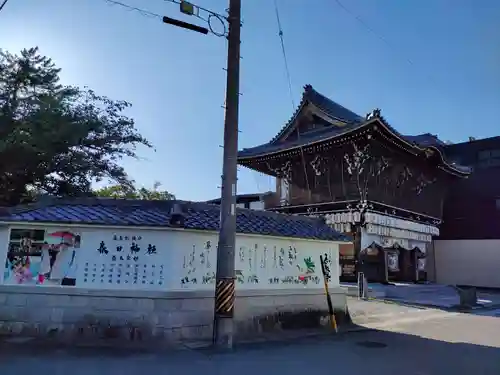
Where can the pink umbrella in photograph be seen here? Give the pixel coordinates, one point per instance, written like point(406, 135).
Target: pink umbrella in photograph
point(65, 236)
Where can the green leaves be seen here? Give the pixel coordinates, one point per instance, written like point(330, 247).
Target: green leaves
point(130, 192)
point(310, 265)
point(57, 139)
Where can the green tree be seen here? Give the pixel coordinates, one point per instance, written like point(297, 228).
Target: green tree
point(57, 139)
point(130, 192)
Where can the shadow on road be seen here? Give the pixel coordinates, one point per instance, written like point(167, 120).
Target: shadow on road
point(376, 351)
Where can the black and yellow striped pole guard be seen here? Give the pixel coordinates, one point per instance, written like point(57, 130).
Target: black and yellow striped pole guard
point(224, 296)
point(326, 278)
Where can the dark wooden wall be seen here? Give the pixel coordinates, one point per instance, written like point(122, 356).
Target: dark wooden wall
point(472, 207)
point(396, 185)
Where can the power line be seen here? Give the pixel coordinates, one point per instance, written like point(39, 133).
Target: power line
point(207, 18)
point(391, 46)
point(3, 4)
point(144, 12)
point(280, 33)
point(374, 32)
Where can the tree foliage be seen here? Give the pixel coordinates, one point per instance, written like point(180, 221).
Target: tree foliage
point(57, 139)
point(128, 192)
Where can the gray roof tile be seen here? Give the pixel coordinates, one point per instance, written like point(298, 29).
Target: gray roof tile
point(200, 216)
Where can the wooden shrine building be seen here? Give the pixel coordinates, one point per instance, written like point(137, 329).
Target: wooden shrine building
point(364, 178)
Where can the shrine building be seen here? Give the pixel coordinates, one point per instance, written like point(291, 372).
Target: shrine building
point(365, 179)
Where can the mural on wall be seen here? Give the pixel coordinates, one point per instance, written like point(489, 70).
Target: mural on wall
point(256, 265)
point(197, 265)
point(108, 260)
point(42, 257)
point(124, 261)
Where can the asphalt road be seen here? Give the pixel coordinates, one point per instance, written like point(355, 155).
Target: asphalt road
point(423, 342)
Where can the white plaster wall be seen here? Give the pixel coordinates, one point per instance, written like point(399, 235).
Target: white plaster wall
point(184, 255)
point(430, 262)
point(368, 238)
point(258, 205)
point(468, 262)
point(257, 259)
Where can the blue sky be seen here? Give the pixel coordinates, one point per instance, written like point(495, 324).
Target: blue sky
point(438, 71)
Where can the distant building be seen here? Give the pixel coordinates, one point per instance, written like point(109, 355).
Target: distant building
point(256, 201)
point(467, 250)
point(472, 207)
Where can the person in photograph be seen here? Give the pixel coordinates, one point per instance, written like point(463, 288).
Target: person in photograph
point(77, 241)
point(61, 262)
point(69, 278)
point(63, 271)
point(21, 273)
point(45, 264)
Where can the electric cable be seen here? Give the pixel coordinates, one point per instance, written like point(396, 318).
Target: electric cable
point(384, 40)
point(141, 11)
point(283, 50)
point(3, 4)
point(208, 19)
point(370, 29)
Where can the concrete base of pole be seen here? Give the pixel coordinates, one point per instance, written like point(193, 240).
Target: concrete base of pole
point(223, 333)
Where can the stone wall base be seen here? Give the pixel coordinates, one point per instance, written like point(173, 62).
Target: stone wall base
point(80, 315)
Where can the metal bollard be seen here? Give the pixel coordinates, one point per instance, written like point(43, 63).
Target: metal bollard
point(362, 286)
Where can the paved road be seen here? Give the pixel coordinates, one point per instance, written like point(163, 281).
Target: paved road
point(440, 296)
point(418, 342)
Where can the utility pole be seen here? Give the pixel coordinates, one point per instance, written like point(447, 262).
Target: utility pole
point(225, 278)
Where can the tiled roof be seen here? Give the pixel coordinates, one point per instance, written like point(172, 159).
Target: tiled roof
point(425, 140)
point(310, 137)
point(201, 216)
point(332, 109)
point(336, 112)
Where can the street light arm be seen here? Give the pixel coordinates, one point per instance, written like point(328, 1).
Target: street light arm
point(185, 25)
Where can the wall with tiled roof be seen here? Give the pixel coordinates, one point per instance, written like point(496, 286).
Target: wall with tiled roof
point(198, 216)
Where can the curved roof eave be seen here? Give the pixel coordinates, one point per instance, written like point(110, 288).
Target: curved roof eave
point(287, 127)
point(462, 171)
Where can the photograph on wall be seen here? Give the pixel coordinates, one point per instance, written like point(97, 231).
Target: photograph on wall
point(392, 261)
point(42, 257)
